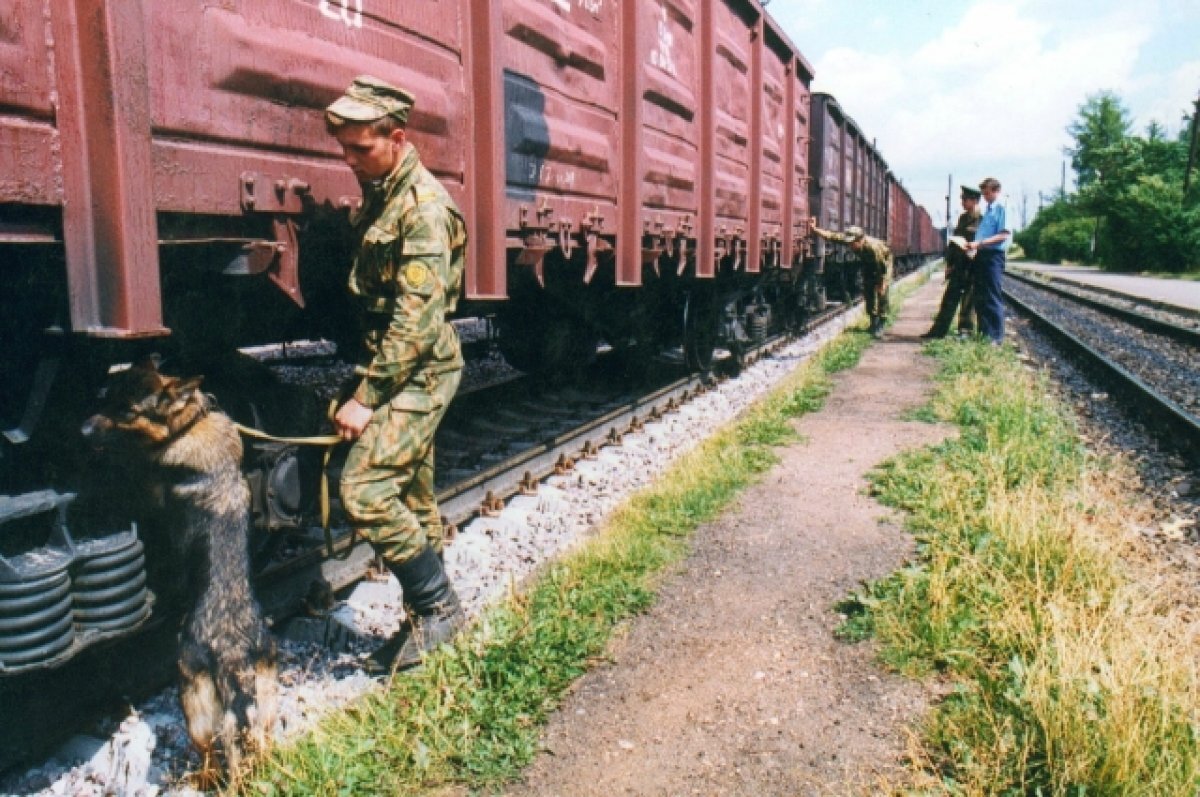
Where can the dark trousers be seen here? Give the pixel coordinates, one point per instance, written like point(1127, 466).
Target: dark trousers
point(989, 303)
point(958, 290)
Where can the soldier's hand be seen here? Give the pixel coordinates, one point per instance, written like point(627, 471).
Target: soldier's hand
point(351, 419)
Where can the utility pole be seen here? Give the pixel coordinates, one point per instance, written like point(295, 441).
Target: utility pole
point(1041, 201)
point(1062, 188)
point(949, 192)
point(1187, 173)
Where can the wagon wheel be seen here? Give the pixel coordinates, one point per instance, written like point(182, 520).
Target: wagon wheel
point(546, 344)
point(701, 328)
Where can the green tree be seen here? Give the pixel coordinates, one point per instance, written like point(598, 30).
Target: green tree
point(1150, 227)
point(1060, 231)
point(1129, 212)
point(1103, 123)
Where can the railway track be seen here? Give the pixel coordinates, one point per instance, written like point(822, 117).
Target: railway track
point(1149, 363)
point(573, 425)
point(500, 441)
point(134, 670)
point(1189, 335)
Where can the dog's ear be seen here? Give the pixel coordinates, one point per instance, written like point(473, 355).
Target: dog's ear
point(178, 393)
point(191, 385)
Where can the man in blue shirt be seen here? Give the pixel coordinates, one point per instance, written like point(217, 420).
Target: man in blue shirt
point(991, 242)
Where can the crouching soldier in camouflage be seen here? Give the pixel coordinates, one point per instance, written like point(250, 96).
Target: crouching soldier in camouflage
point(875, 265)
point(407, 276)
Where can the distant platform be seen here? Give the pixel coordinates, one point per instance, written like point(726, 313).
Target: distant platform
point(1182, 296)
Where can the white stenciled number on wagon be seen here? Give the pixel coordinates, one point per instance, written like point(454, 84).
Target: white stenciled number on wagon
point(349, 12)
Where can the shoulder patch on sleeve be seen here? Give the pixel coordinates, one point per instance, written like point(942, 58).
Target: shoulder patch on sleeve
point(415, 275)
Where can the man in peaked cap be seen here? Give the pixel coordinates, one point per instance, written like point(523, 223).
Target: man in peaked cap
point(958, 270)
point(407, 277)
point(875, 265)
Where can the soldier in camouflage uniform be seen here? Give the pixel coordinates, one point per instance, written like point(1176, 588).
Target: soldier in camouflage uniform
point(407, 276)
point(958, 271)
point(875, 265)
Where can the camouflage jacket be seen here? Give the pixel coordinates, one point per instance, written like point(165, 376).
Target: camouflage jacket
point(875, 252)
point(407, 275)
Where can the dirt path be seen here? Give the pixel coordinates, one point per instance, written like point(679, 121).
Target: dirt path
point(733, 684)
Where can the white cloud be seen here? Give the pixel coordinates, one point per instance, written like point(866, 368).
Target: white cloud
point(1165, 98)
point(992, 93)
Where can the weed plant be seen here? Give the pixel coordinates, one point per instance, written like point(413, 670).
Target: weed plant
point(1066, 674)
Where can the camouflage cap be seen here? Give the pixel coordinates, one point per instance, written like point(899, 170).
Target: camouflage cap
point(971, 193)
point(369, 99)
point(854, 232)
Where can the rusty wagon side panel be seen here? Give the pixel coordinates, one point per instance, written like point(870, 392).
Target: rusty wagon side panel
point(541, 116)
point(900, 229)
point(796, 243)
point(213, 111)
point(826, 163)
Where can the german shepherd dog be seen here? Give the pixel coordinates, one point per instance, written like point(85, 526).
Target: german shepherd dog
point(191, 456)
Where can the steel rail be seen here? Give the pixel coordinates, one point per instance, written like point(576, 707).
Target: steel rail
point(286, 585)
point(1166, 412)
point(1157, 304)
point(1183, 334)
point(282, 588)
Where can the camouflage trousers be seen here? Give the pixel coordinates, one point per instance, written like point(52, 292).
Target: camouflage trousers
point(387, 482)
point(876, 284)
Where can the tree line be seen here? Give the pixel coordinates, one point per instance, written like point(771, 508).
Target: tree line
point(1130, 210)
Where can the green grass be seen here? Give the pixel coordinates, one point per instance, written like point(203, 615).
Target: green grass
point(1067, 676)
point(470, 717)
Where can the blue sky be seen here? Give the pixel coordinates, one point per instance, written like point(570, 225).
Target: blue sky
point(988, 87)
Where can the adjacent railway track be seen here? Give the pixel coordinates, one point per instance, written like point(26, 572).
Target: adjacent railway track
point(1152, 365)
point(1185, 334)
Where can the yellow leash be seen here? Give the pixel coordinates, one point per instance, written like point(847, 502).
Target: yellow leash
point(328, 441)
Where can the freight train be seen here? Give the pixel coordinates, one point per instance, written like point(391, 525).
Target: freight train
point(638, 173)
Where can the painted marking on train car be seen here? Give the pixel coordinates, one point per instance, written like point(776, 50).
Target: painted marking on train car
point(353, 18)
point(662, 56)
point(549, 175)
point(592, 7)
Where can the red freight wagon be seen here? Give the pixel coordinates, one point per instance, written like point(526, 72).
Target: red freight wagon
point(636, 171)
point(585, 141)
point(900, 227)
point(850, 186)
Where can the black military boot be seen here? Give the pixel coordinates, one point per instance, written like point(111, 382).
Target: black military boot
point(876, 329)
point(434, 614)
